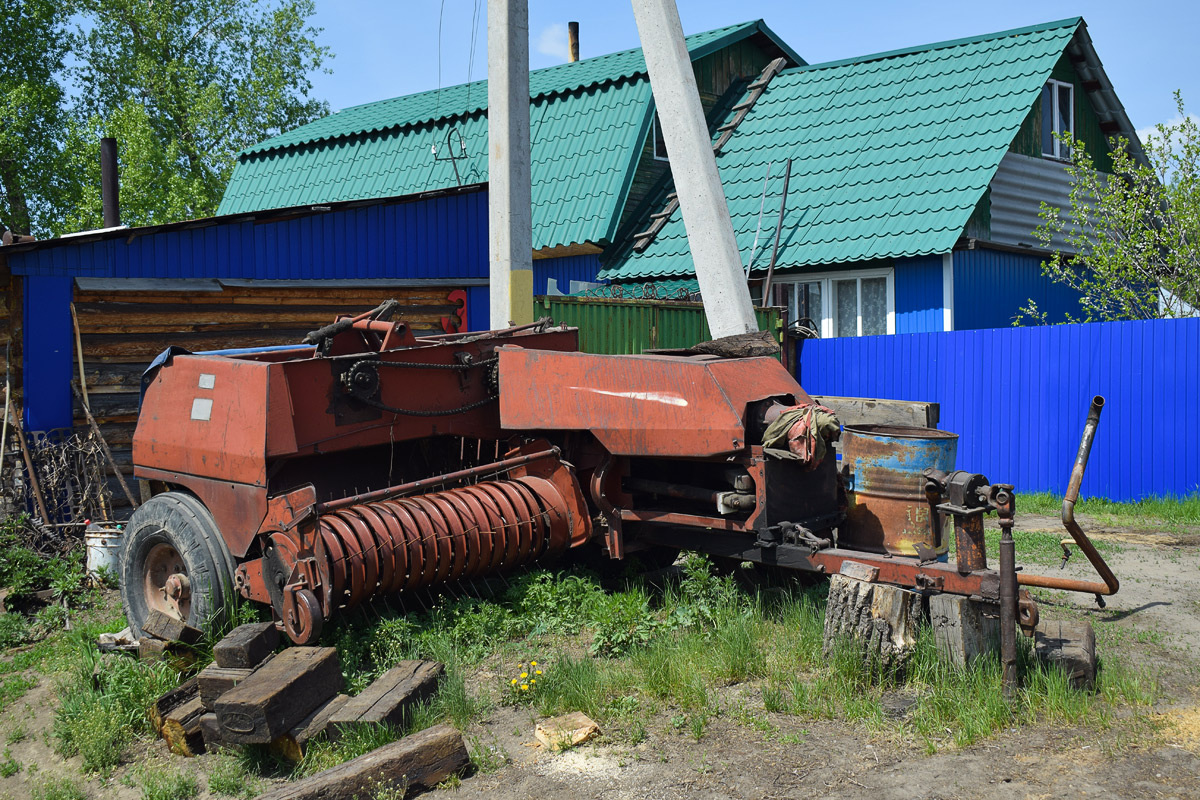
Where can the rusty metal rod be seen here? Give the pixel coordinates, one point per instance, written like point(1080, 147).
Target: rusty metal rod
point(1008, 596)
point(1110, 584)
point(404, 488)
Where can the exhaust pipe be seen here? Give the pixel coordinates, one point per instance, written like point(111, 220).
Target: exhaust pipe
point(1110, 584)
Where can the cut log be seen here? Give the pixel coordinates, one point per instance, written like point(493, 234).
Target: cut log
point(210, 730)
point(390, 697)
point(168, 629)
point(181, 729)
point(881, 621)
point(293, 744)
point(279, 695)
point(962, 629)
point(246, 646)
point(1070, 646)
point(216, 681)
point(171, 700)
point(567, 731)
point(423, 759)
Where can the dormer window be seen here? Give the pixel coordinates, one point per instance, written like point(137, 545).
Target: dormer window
point(1058, 117)
point(660, 144)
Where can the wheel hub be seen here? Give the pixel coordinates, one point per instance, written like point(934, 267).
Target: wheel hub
point(165, 585)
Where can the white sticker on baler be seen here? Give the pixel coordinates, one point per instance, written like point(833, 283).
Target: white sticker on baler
point(207, 381)
point(202, 408)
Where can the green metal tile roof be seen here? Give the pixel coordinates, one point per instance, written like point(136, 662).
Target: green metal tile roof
point(891, 152)
point(589, 120)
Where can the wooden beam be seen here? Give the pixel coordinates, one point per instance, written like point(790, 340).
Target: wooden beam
point(279, 695)
point(422, 759)
point(873, 411)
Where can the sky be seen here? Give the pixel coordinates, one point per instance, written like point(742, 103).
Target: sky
point(386, 49)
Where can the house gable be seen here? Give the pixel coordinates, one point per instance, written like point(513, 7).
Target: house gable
point(891, 154)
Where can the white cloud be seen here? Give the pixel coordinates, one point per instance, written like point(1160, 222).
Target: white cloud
point(1151, 130)
point(553, 41)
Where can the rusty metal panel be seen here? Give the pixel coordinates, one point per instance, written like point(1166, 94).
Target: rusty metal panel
point(639, 405)
point(614, 327)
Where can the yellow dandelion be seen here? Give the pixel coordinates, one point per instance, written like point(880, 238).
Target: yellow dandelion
point(539, 672)
point(514, 681)
point(524, 687)
point(524, 675)
point(533, 663)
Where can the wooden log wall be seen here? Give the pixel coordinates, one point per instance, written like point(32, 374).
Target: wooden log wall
point(121, 332)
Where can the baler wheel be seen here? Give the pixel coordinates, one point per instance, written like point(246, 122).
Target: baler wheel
point(174, 560)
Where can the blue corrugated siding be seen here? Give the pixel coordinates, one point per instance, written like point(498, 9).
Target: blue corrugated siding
point(564, 270)
point(1017, 397)
point(47, 374)
point(442, 237)
point(918, 287)
point(990, 287)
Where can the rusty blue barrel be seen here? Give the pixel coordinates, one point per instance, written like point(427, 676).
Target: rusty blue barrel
point(888, 510)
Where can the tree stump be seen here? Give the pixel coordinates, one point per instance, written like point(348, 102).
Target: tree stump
point(881, 620)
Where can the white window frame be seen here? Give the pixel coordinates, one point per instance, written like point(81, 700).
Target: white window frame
point(828, 320)
point(1061, 152)
point(654, 141)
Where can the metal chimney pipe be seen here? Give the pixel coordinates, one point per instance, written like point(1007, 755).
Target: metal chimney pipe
point(110, 183)
point(573, 40)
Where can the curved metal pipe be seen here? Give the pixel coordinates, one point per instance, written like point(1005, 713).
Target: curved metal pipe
point(1110, 584)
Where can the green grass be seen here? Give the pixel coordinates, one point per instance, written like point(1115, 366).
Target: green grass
point(165, 782)
point(57, 789)
point(229, 777)
point(1171, 513)
point(1039, 547)
point(103, 700)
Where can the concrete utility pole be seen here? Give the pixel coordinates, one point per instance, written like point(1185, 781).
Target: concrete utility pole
point(510, 212)
point(701, 198)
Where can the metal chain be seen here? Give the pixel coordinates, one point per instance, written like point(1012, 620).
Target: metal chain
point(418, 365)
point(440, 413)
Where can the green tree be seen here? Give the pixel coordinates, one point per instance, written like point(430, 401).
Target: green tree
point(33, 42)
point(183, 86)
point(1134, 235)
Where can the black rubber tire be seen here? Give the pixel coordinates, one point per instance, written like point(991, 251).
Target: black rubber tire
point(182, 521)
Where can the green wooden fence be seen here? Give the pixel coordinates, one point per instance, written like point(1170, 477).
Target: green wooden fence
point(633, 326)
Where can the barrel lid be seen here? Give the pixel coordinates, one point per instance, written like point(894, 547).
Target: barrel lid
point(899, 432)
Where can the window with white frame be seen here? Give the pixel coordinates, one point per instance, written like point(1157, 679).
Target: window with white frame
point(1058, 117)
point(859, 303)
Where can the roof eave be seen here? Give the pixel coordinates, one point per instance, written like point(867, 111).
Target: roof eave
point(1106, 104)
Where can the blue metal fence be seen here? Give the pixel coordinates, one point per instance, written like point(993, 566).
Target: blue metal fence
point(1018, 398)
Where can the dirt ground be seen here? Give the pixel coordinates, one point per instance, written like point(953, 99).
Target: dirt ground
point(1154, 620)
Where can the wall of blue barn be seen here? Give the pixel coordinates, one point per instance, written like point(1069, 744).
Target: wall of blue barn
point(990, 287)
point(1018, 397)
point(918, 288)
point(437, 238)
point(47, 370)
point(441, 237)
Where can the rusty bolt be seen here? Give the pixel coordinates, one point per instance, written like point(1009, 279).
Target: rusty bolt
point(178, 587)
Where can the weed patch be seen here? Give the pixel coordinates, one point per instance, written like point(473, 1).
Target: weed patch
point(167, 783)
point(57, 789)
point(102, 704)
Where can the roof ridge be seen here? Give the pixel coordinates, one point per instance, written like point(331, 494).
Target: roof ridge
point(924, 48)
point(703, 43)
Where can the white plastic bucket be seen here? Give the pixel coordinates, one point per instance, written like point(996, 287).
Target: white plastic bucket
point(103, 550)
